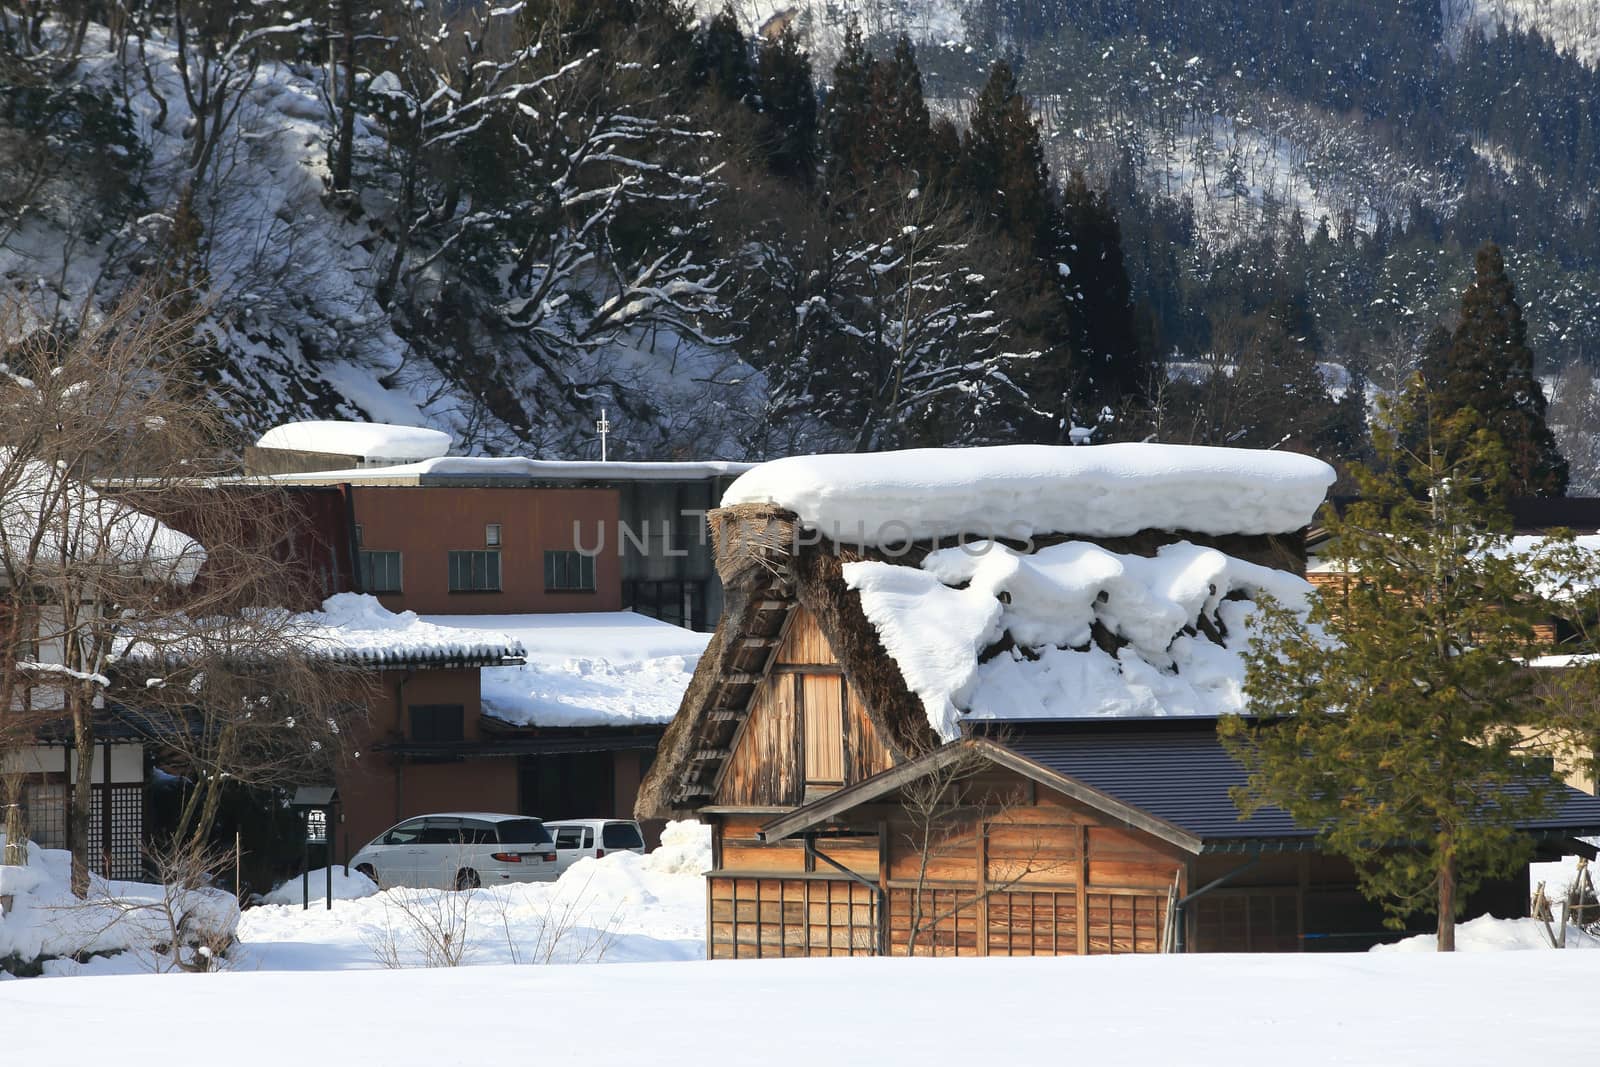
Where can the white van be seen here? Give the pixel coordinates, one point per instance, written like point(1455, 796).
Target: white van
point(577, 838)
point(459, 850)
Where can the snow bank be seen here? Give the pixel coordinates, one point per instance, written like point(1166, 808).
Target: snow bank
point(1018, 491)
point(351, 886)
point(47, 920)
point(370, 440)
point(649, 907)
point(1488, 934)
point(357, 628)
point(936, 620)
point(611, 668)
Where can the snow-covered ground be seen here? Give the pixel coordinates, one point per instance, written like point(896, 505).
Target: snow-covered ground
point(1400, 1009)
point(618, 909)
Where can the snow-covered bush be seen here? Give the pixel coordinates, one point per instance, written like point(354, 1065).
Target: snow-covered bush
point(179, 926)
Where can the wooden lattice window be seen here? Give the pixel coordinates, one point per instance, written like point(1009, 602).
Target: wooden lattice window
point(125, 860)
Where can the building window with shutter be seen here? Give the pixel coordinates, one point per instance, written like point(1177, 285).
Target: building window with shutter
point(475, 572)
point(491, 534)
point(380, 572)
point(568, 572)
point(436, 722)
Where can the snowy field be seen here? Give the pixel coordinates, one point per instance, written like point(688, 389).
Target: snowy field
point(321, 978)
point(1412, 1010)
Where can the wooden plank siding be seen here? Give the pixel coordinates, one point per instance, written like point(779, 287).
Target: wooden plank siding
point(807, 731)
point(1043, 877)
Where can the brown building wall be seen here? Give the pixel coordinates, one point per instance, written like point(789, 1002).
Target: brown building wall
point(376, 790)
point(426, 523)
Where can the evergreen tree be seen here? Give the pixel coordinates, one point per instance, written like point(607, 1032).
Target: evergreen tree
point(722, 57)
point(1489, 368)
point(789, 103)
point(847, 117)
point(1089, 244)
point(1003, 167)
point(1392, 723)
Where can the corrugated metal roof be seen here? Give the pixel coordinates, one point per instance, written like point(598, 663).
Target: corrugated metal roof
point(1184, 777)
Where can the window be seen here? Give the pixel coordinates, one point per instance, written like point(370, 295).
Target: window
point(380, 572)
point(491, 535)
point(358, 534)
point(621, 835)
point(569, 837)
point(442, 832)
point(822, 698)
point(523, 832)
point(407, 833)
point(475, 572)
point(568, 571)
point(436, 722)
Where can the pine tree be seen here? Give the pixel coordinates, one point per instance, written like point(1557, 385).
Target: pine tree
point(789, 103)
point(846, 117)
point(1391, 723)
point(1004, 169)
point(900, 126)
point(1089, 243)
point(722, 58)
point(1489, 368)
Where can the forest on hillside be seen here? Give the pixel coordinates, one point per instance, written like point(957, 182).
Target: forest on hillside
point(755, 229)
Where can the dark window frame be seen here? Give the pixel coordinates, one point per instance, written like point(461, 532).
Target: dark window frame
point(436, 722)
point(564, 567)
point(365, 561)
point(475, 570)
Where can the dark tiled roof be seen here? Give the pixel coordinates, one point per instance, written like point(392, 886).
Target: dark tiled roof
point(1184, 775)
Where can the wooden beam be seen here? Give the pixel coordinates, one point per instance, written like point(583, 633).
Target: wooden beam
point(1082, 905)
point(723, 715)
point(706, 755)
point(740, 678)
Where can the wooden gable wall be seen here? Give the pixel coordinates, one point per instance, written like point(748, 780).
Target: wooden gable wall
point(807, 731)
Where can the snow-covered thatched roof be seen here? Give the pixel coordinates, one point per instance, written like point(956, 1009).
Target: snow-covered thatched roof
point(1069, 631)
point(1020, 491)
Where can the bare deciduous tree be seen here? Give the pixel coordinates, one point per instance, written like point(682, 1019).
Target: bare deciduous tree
point(106, 450)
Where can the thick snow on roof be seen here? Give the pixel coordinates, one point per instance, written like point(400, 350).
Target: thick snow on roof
point(936, 621)
point(1017, 491)
point(555, 470)
point(356, 628)
point(607, 668)
point(375, 439)
point(82, 525)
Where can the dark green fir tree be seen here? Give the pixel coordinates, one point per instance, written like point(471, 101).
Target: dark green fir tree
point(1489, 369)
point(1393, 722)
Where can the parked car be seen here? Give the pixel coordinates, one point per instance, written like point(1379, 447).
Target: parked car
point(577, 838)
point(459, 850)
